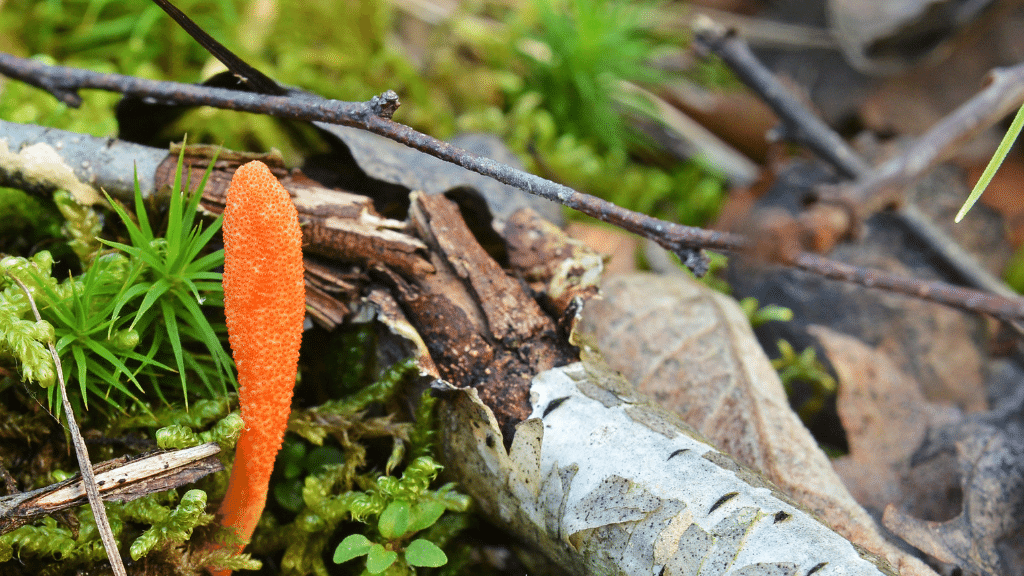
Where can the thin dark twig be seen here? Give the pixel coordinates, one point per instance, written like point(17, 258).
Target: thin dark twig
point(800, 124)
point(673, 237)
point(807, 129)
point(373, 116)
point(64, 82)
point(940, 292)
point(1002, 95)
point(872, 188)
point(258, 80)
point(99, 512)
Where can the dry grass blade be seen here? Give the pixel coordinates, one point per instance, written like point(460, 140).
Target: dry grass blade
point(88, 476)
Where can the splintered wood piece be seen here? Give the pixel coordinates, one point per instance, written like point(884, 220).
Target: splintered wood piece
point(330, 290)
point(325, 309)
point(510, 312)
point(119, 480)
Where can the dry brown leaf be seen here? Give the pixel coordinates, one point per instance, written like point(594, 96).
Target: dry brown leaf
point(943, 348)
point(886, 419)
point(986, 536)
point(692, 350)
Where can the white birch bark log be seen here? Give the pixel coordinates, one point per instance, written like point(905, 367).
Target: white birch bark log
point(604, 482)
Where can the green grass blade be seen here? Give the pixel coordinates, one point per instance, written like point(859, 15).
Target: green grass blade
point(140, 212)
point(171, 325)
point(202, 268)
point(175, 227)
point(158, 289)
point(52, 303)
point(208, 232)
point(63, 342)
point(139, 236)
point(193, 202)
point(145, 361)
point(200, 241)
point(211, 288)
point(79, 355)
point(112, 384)
point(154, 385)
point(204, 332)
point(993, 164)
point(122, 247)
point(201, 373)
point(52, 404)
point(126, 296)
point(119, 366)
point(192, 207)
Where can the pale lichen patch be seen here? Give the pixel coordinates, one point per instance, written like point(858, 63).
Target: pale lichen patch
point(40, 165)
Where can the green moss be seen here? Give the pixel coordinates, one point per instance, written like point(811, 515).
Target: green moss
point(82, 226)
point(805, 368)
point(169, 527)
point(551, 102)
point(582, 51)
point(684, 193)
point(158, 521)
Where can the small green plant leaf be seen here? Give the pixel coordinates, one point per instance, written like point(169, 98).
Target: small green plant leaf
point(320, 457)
point(424, 553)
point(394, 521)
point(379, 559)
point(424, 515)
point(769, 313)
point(351, 547)
point(993, 164)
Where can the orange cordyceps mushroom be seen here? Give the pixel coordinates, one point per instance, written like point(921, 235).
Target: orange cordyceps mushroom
point(264, 304)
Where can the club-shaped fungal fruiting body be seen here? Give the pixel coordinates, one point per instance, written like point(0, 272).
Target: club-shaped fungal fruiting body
point(264, 306)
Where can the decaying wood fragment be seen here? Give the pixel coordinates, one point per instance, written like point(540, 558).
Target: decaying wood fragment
point(328, 291)
point(335, 224)
point(559, 268)
point(119, 480)
point(482, 327)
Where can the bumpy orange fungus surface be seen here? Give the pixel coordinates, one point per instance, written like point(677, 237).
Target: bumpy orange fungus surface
point(264, 303)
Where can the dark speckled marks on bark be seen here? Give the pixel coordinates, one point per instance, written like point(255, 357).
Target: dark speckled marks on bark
point(554, 404)
point(679, 452)
point(725, 498)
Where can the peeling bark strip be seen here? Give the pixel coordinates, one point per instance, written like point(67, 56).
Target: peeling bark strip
point(605, 483)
